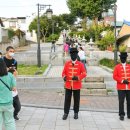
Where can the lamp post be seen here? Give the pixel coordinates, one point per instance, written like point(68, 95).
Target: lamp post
point(115, 45)
point(104, 14)
point(49, 15)
point(53, 22)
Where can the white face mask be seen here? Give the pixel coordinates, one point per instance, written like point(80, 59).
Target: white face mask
point(11, 54)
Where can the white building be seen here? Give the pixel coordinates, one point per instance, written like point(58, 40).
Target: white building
point(19, 23)
point(15, 23)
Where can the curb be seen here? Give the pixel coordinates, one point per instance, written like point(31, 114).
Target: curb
point(62, 108)
point(106, 68)
point(47, 70)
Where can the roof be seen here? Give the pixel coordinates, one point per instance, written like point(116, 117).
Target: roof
point(124, 32)
point(21, 17)
point(118, 23)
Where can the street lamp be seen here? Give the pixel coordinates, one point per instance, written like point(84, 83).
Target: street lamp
point(49, 15)
point(104, 14)
point(53, 22)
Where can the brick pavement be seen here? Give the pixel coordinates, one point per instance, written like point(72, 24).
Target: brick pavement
point(55, 99)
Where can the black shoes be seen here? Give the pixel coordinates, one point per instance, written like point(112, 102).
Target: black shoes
point(128, 117)
point(16, 118)
point(65, 116)
point(121, 118)
point(75, 116)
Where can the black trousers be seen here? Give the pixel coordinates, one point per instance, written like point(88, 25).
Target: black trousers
point(122, 94)
point(76, 97)
point(16, 104)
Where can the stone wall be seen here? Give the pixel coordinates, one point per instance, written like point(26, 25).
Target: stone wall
point(15, 42)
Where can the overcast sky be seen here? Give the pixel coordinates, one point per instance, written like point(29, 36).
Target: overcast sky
point(23, 8)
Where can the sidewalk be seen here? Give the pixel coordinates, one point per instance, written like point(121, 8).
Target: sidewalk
point(55, 99)
point(51, 119)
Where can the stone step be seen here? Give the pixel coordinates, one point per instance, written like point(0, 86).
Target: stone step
point(83, 92)
point(54, 79)
point(44, 85)
point(94, 79)
point(93, 92)
point(94, 85)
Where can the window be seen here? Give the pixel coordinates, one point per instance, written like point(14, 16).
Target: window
point(12, 24)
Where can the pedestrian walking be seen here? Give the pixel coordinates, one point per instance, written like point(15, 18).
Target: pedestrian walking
point(53, 46)
point(82, 56)
point(122, 75)
point(66, 48)
point(11, 64)
point(73, 73)
point(7, 84)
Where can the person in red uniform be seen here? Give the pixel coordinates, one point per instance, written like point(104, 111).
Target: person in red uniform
point(121, 74)
point(73, 73)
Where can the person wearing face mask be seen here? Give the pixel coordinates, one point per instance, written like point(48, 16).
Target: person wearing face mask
point(72, 74)
point(121, 74)
point(11, 64)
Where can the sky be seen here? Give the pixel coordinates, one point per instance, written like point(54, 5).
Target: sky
point(25, 8)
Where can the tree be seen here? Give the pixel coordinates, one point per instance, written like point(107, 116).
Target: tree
point(44, 26)
point(89, 8)
point(47, 26)
point(68, 18)
point(106, 41)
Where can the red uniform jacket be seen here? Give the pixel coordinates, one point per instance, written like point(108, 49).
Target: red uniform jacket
point(120, 74)
point(69, 71)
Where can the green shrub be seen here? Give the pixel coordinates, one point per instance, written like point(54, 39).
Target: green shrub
point(11, 33)
point(107, 40)
point(52, 37)
point(107, 62)
point(122, 48)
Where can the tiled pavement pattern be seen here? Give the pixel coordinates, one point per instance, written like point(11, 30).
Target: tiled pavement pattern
point(51, 119)
point(56, 100)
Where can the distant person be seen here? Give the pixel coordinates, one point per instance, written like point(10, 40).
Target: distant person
point(7, 84)
point(53, 45)
point(66, 48)
point(72, 74)
point(121, 74)
point(82, 56)
point(11, 64)
point(76, 43)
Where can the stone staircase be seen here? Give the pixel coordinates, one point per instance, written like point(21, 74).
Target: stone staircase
point(91, 85)
point(94, 86)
